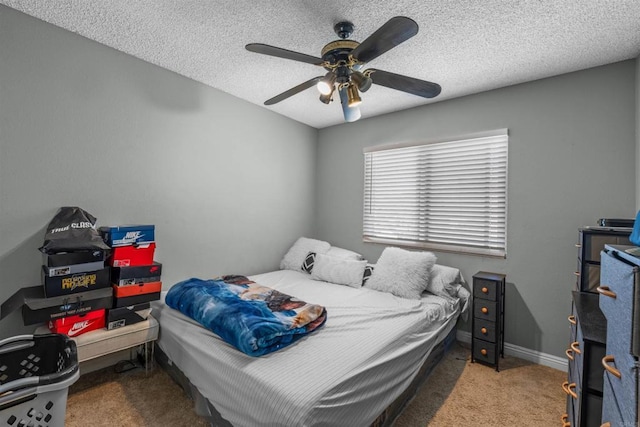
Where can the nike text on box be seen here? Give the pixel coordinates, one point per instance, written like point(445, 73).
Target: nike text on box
point(125, 235)
point(78, 324)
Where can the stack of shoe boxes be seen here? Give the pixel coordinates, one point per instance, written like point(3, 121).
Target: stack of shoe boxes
point(69, 279)
point(135, 276)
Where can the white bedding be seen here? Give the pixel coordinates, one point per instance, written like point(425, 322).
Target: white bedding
point(345, 373)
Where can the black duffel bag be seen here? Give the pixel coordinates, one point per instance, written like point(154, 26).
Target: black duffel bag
point(72, 229)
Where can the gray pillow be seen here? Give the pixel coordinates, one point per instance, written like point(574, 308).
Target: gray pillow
point(402, 273)
point(442, 278)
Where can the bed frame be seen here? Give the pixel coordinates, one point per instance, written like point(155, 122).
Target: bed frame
point(385, 419)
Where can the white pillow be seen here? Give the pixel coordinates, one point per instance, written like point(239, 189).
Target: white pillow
point(294, 258)
point(441, 279)
point(337, 252)
point(341, 271)
point(402, 273)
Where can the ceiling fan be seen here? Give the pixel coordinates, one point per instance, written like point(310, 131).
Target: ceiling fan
point(344, 59)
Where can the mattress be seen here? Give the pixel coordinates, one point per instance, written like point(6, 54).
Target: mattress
point(345, 373)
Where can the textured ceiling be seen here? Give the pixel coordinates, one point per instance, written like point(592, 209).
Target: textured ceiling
point(466, 46)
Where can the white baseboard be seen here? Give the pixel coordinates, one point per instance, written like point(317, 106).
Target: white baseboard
point(555, 362)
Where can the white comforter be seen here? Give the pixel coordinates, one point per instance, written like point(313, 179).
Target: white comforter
point(344, 374)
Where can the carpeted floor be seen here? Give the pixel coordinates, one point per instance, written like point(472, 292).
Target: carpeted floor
point(133, 398)
point(461, 393)
point(458, 393)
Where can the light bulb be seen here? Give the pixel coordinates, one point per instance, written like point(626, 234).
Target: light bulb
point(324, 87)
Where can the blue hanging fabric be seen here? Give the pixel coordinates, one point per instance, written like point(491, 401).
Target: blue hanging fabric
point(635, 234)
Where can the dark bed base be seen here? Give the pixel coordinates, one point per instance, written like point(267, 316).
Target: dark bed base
point(385, 419)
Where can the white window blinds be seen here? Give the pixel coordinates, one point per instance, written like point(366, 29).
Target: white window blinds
point(447, 195)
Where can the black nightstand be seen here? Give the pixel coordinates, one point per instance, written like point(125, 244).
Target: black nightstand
point(487, 323)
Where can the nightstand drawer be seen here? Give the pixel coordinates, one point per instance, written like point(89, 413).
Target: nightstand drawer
point(485, 330)
point(485, 289)
point(484, 351)
point(486, 310)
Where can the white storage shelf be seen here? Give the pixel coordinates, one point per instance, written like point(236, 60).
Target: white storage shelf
point(102, 342)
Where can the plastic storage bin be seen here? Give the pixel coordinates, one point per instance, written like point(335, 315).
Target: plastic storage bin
point(35, 374)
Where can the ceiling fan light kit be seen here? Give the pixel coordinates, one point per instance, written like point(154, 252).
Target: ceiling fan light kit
point(353, 96)
point(362, 80)
point(351, 114)
point(326, 99)
point(343, 59)
point(326, 84)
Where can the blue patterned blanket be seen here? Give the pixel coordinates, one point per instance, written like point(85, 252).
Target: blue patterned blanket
point(255, 319)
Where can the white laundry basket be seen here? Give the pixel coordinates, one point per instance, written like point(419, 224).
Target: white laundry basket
point(35, 374)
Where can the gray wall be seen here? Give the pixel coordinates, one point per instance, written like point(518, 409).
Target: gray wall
point(571, 161)
point(229, 185)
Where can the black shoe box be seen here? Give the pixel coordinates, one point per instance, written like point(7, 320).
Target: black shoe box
point(123, 276)
point(123, 316)
point(36, 308)
point(73, 283)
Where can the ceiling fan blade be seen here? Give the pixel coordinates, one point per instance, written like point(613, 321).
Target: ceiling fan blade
point(294, 90)
point(351, 114)
point(404, 83)
point(391, 34)
point(265, 49)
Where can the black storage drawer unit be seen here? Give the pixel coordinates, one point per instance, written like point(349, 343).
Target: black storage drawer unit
point(487, 325)
point(591, 241)
point(620, 304)
point(586, 348)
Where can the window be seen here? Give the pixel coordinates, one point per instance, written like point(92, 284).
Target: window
point(449, 195)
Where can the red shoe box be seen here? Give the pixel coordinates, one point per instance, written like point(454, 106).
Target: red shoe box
point(79, 324)
point(133, 290)
point(132, 256)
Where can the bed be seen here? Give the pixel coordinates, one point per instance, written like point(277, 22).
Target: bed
point(359, 369)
